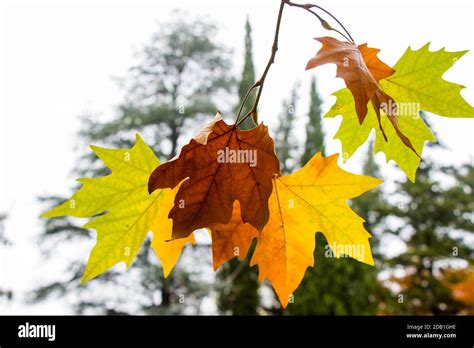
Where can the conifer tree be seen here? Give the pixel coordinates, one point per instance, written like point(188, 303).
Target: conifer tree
point(314, 130)
point(248, 77)
point(286, 144)
point(436, 224)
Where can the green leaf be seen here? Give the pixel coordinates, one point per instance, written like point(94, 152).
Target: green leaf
point(352, 135)
point(130, 212)
point(418, 79)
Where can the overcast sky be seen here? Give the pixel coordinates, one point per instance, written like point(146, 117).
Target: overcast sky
point(58, 60)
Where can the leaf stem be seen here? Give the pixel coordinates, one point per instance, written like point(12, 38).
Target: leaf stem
point(259, 84)
point(255, 85)
point(261, 81)
point(325, 24)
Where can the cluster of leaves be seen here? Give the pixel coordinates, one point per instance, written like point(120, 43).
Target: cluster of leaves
point(236, 202)
point(239, 201)
point(414, 84)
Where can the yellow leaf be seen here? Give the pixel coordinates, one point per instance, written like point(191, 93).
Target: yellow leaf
point(309, 200)
point(130, 212)
point(167, 250)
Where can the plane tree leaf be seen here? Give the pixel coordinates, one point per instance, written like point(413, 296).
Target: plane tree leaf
point(220, 165)
point(129, 211)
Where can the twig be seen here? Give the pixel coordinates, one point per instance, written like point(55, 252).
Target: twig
point(325, 24)
point(255, 85)
point(261, 81)
point(259, 84)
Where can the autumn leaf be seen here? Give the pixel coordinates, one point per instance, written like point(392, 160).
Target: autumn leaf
point(416, 85)
point(130, 212)
point(418, 79)
point(464, 290)
point(220, 165)
point(312, 199)
point(359, 74)
point(232, 239)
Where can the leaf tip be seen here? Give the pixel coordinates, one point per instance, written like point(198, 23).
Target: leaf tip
point(94, 148)
point(138, 138)
point(47, 214)
point(166, 271)
point(377, 181)
point(85, 278)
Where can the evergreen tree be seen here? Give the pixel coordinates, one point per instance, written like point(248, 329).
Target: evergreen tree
point(182, 75)
point(240, 296)
point(286, 144)
point(436, 222)
point(314, 129)
point(248, 77)
point(180, 71)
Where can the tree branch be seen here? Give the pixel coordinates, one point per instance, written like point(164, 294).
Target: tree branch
point(261, 81)
point(324, 23)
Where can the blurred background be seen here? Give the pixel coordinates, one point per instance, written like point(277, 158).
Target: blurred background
point(75, 73)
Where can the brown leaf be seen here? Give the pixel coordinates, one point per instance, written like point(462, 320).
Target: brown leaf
point(382, 100)
point(231, 239)
point(351, 67)
point(222, 164)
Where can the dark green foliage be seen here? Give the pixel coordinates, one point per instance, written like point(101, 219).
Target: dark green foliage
point(240, 296)
point(286, 143)
point(335, 286)
point(435, 222)
point(314, 130)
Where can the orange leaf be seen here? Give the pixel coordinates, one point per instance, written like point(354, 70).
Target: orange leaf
point(378, 69)
point(464, 290)
point(351, 67)
point(231, 239)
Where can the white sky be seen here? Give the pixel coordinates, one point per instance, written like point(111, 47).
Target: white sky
point(57, 60)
